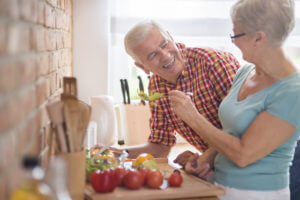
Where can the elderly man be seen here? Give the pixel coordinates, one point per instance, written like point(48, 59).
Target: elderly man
point(205, 74)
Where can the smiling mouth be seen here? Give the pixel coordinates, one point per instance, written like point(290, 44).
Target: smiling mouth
point(169, 64)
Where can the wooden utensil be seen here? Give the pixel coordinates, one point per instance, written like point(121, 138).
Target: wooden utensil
point(77, 114)
point(56, 115)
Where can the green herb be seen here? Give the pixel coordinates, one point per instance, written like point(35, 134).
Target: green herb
point(150, 97)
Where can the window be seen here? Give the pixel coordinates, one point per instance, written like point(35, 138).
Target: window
point(202, 23)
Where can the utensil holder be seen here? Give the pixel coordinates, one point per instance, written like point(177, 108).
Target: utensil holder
point(75, 163)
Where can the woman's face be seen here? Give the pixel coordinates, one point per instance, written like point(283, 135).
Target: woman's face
point(244, 42)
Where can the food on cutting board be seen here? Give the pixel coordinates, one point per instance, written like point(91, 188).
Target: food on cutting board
point(104, 161)
point(175, 179)
point(145, 160)
point(133, 179)
point(104, 181)
point(105, 173)
point(154, 179)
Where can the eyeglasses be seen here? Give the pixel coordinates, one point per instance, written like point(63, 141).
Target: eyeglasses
point(232, 37)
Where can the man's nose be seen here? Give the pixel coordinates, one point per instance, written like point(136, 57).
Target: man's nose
point(165, 54)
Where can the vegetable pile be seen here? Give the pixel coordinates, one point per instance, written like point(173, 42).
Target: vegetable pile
point(105, 176)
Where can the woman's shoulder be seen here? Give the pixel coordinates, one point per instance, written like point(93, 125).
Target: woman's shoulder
point(243, 71)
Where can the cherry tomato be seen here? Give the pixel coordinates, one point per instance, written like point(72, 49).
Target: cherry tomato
point(154, 179)
point(103, 181)
point(145, 173)
point(175, 179)
point(133, 180)
point(120, 174)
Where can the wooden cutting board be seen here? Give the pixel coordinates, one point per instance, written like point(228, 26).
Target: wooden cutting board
point(191, 187)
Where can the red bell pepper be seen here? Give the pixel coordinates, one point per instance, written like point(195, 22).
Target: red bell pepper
point(104, 181)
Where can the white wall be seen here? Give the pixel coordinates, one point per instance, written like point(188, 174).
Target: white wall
point(91, 23)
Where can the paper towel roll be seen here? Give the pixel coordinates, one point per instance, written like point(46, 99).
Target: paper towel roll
point(103, 114)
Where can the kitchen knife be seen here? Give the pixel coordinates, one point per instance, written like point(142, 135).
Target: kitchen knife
point(141, 86)
point(123, 90)
point(127, 91)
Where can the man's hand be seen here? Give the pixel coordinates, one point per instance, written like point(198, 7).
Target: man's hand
point(198, 166)
point(183, 158)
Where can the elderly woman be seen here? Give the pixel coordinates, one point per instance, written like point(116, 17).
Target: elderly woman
point(251, 155)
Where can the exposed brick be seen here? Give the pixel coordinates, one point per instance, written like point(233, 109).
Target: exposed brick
point(68, 23)
point(61, 4)
point(29, 10)
point(52, 2)
point(38, 39)
point(68, 7)
point(35, 38)
point(7, 154)
point(59, 40)
point(49, 17)
point(17, 108)
point(4, 194)
point(43, 64)
point(42, 91)
point(18, 38)
point(41, 13)
point(50, 40)
point(27, 70)
point(67, 40)
point(9, 8)
point(60, 19)
point(8, 73)
point(3, 37)
point(16, 73)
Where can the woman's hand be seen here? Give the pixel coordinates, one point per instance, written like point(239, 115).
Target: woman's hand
point(182, 105)
point(199, 166)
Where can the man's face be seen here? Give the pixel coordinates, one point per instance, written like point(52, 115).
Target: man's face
point(159, 54)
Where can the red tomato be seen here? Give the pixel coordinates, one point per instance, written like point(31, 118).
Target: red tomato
point(154, 179)
point(120, 174)
point(133, 180)
point(145, 173)
point(175, 179)
point(103, 181)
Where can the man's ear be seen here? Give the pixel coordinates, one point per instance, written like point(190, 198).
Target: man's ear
point(142, 67)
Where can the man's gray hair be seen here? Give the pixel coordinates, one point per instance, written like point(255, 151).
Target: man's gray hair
point(138, 34)
point(274, 17)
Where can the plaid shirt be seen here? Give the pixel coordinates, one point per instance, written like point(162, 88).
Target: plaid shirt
point(208, 74)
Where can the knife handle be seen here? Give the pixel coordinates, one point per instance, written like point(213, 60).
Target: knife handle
point(141, 85)
point(127, 91)
point(123, 90)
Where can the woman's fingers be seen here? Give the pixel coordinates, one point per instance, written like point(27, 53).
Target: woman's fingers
point(204, 170)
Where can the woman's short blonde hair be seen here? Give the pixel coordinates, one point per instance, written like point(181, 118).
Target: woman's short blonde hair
point(138, 34)
point(274, 17)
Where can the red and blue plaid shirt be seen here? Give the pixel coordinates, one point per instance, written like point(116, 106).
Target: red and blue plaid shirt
point(208, 74)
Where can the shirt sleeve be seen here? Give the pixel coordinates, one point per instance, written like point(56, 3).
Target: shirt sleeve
point(285, 104)
point(221, 73)
point(161, 130)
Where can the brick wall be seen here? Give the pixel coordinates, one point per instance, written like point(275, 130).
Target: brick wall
point(35, 53)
